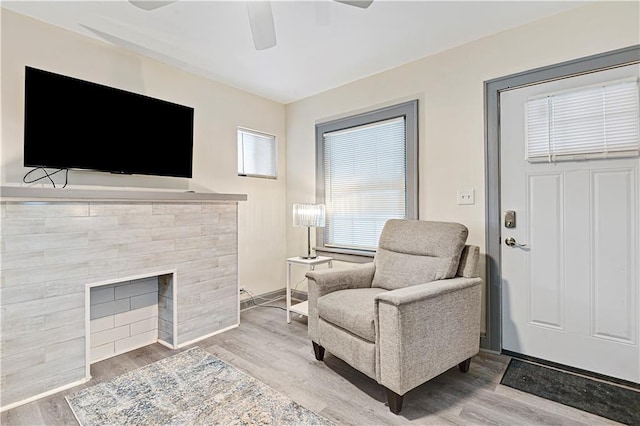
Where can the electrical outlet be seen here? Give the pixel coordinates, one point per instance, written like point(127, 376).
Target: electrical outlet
point(466, 196)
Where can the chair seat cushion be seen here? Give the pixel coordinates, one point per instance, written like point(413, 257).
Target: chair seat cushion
point(352, 310)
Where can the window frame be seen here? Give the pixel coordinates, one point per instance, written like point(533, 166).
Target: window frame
point(408, 110)
point(241, 129)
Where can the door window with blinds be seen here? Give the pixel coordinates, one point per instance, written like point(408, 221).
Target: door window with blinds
point(601, 121)
point(256, 154)
point(367, 174)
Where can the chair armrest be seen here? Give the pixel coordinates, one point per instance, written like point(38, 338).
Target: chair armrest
point(423, 330)
point(330, 280)
point(416, 293)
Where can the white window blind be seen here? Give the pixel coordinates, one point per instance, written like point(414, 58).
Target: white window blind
point(256, 154)
point(364, 182)
point(591, 122)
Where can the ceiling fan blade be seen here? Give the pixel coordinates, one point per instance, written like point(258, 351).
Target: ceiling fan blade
point(150, 4)
point(363, 4)
point(261, 22)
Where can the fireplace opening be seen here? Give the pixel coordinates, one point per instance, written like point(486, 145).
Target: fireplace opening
point(129, 313)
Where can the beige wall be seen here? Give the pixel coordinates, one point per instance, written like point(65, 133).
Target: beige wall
point(449, 86)
point(219, 110)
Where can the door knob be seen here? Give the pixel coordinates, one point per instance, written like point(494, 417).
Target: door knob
point(511, 242)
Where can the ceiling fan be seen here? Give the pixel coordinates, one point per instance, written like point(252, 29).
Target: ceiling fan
point(260, 17)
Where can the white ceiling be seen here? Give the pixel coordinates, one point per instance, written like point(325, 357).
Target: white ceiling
point(321, 44)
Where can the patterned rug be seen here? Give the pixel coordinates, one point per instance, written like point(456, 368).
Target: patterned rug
point(189, 388)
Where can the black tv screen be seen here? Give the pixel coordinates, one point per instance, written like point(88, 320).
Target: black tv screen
point(75, 124)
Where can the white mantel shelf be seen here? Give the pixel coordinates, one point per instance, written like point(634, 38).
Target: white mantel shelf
point(17, 193)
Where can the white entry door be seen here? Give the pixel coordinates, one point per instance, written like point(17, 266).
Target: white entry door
point(570, 278)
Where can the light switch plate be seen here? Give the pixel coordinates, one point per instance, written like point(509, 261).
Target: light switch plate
point(466, 196)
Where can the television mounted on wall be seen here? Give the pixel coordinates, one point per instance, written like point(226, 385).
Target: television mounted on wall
point(75, 124)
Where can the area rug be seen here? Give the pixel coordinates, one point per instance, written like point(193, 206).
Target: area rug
point(189, 388)
point(607, 400)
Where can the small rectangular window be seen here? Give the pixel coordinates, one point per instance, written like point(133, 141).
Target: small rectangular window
point(256, 154)
point(600, 121)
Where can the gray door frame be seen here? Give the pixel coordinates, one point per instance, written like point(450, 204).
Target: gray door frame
point(492, 340)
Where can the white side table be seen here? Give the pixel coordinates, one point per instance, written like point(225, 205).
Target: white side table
point(302, 308)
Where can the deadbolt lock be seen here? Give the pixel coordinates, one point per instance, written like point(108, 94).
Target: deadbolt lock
point(510, 219)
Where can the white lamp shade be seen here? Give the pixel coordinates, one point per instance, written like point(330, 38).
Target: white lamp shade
point(308, 215)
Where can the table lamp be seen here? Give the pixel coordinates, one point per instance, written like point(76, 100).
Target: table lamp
point(308, 215)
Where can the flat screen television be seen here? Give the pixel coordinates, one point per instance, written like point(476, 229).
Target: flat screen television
point(76, 124)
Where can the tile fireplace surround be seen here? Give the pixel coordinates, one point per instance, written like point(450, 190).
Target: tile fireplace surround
point(56, 244)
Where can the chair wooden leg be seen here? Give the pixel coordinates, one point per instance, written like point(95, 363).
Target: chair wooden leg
point(318, 351)
point(394, 400)
point(464, 365)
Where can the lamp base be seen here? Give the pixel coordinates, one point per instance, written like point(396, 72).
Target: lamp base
point(308, 256)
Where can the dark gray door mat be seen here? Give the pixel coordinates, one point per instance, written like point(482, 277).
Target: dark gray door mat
point(611, 401)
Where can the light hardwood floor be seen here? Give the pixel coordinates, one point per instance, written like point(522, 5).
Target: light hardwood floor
point(280, 355)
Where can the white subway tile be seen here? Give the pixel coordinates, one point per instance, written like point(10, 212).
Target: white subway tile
point(101, 324)
point(136, 341)
point(111, 335)
point(135, 315)
point(102, 352)
point(145, 325)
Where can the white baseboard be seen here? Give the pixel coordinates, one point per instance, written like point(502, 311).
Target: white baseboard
point(43, 395)
point(191, 342)
point(167, 344)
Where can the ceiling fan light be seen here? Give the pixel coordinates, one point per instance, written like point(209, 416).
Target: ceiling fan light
point(363, 4)
point(261, 21)
point(150, 4)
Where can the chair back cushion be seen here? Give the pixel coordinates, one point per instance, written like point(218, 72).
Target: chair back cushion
point(414, 252)
point(468, 266)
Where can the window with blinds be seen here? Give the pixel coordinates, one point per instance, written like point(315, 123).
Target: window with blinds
point(365, 169)
point(256, 154)
point(600, 121)
point(368, 173)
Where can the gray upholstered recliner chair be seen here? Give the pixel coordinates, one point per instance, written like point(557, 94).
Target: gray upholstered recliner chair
point(407, 317)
